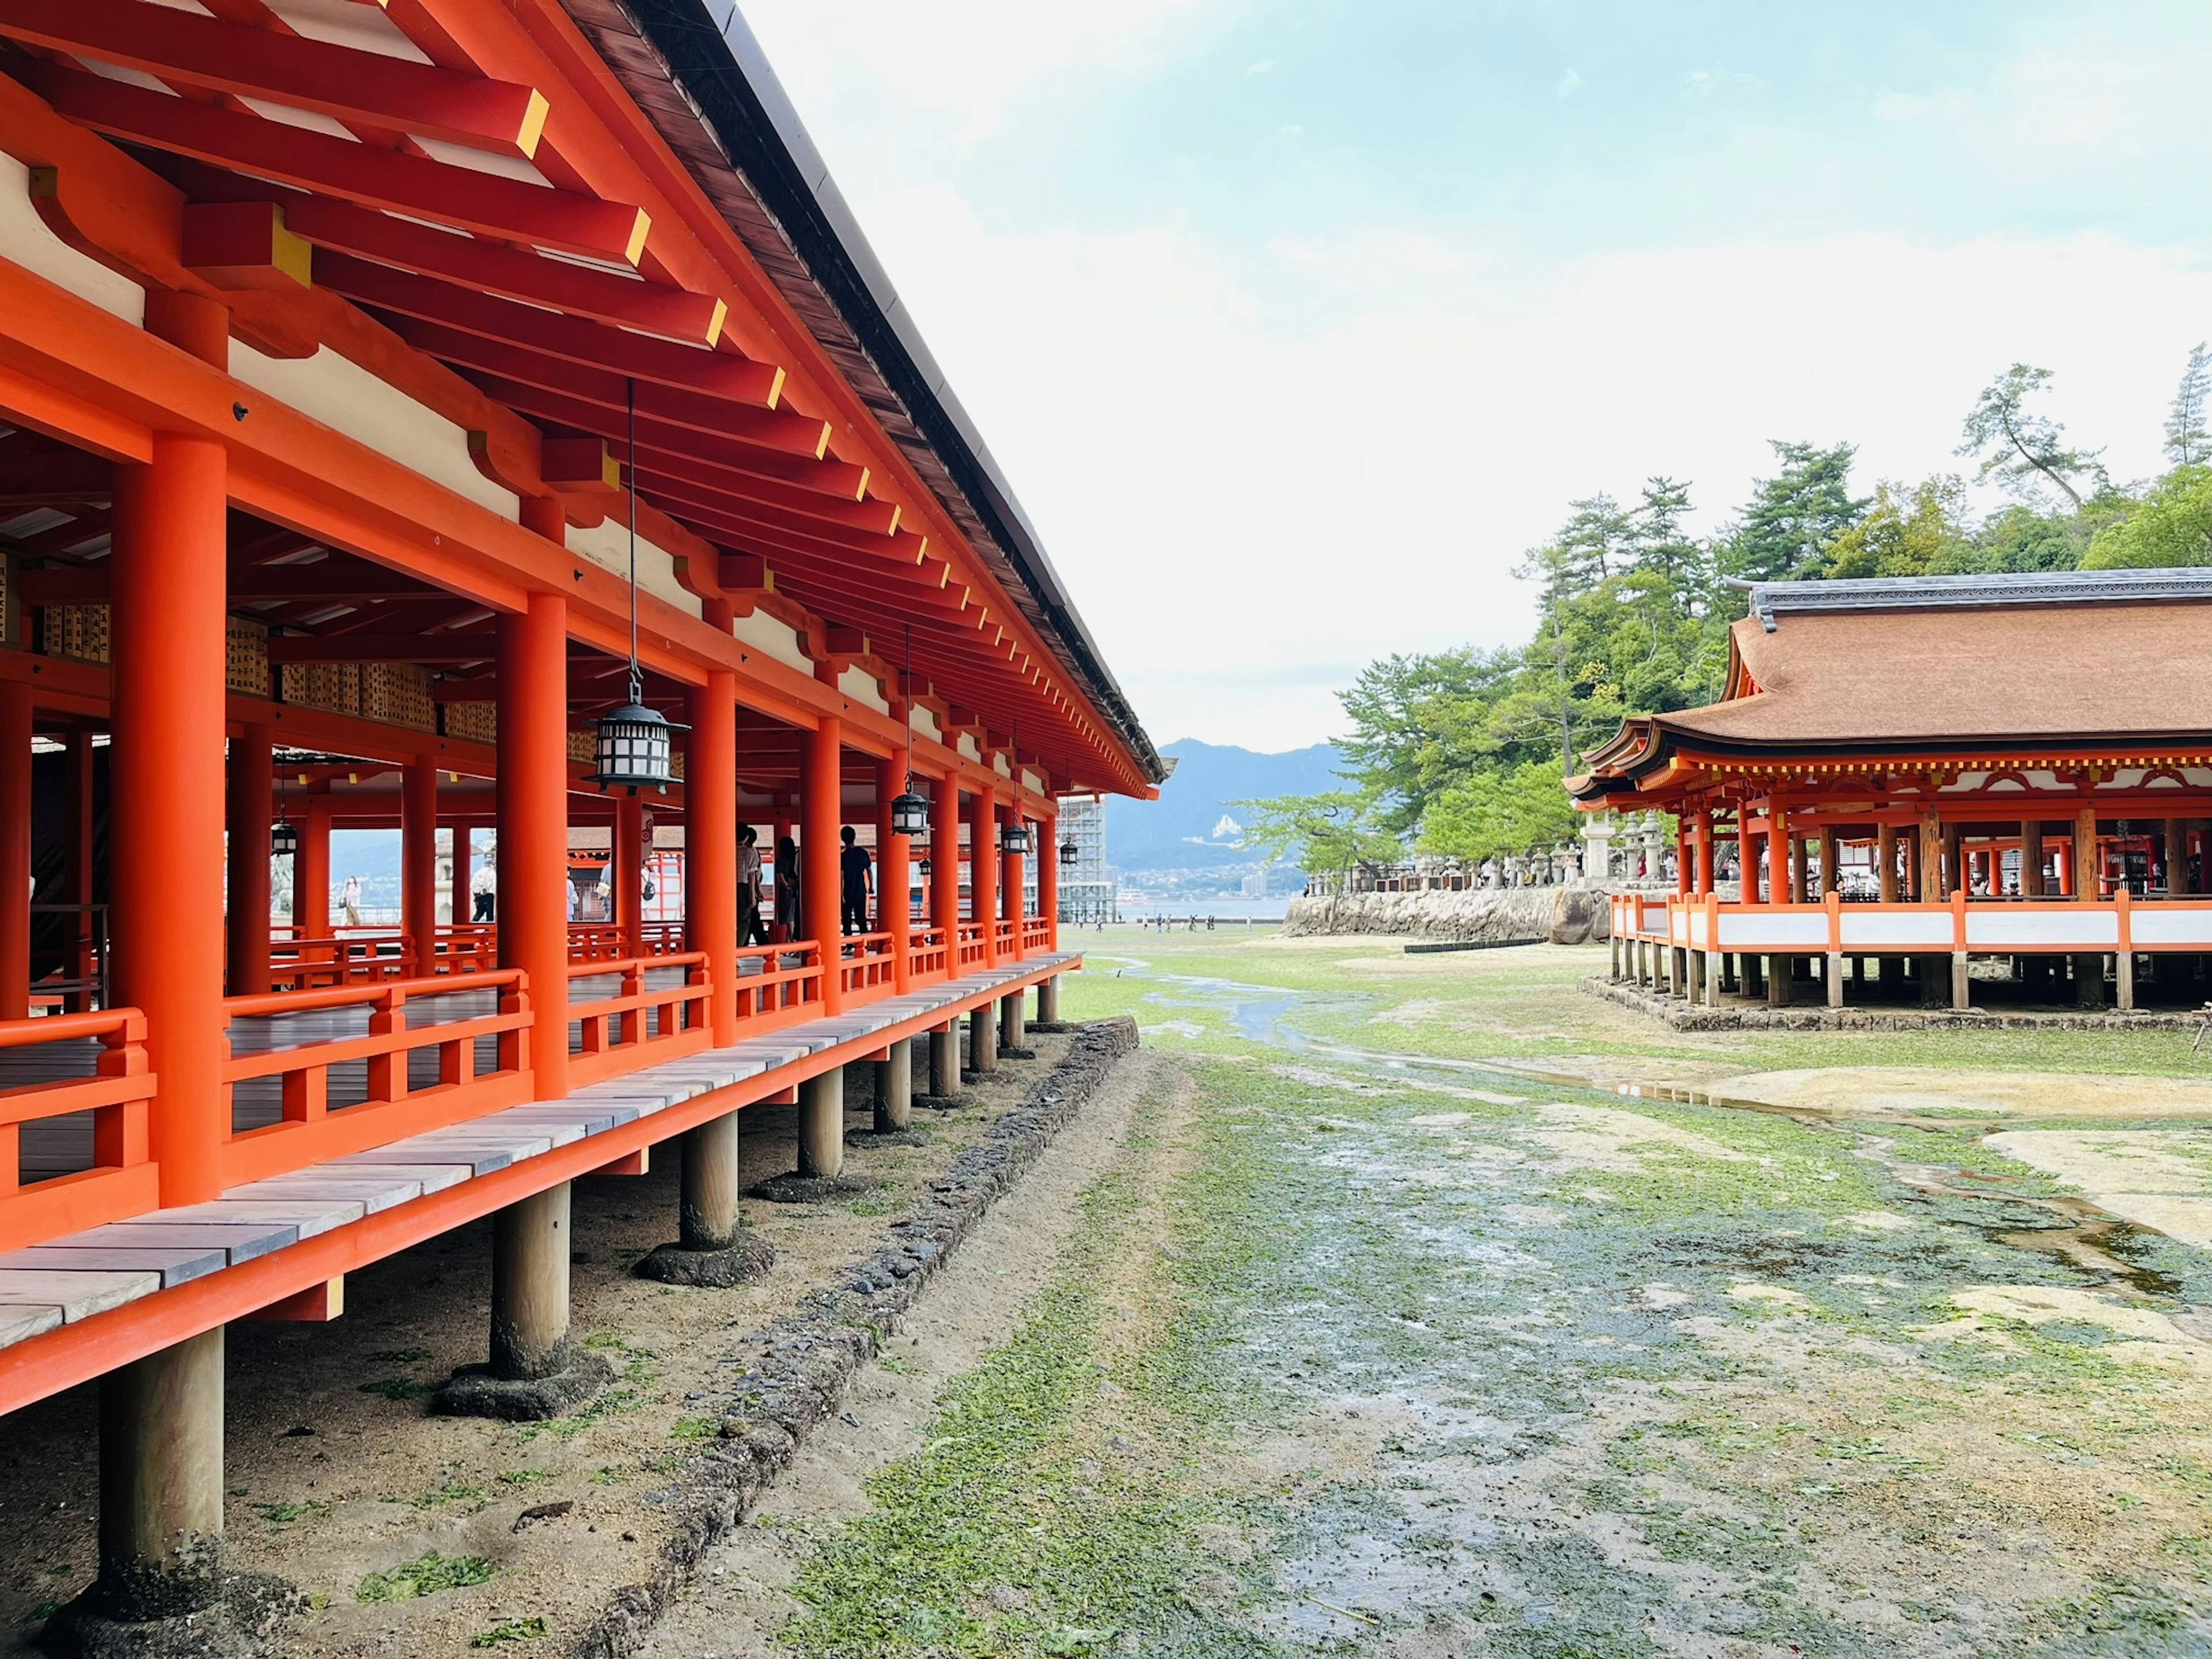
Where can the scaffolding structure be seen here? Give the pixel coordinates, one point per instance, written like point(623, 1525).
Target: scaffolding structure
point(1086, 885)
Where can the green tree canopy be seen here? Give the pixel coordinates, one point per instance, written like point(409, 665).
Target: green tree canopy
point(1792, 516)
point(2170, 527)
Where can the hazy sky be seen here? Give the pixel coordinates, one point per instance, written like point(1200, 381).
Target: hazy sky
point(1293, 322)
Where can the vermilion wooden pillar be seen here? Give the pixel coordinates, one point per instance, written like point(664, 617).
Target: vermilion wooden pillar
point(1009, 891)
point(311, 872)
point(945, 869)
point(887, 776)
point(14, 850)
point(710, 845)
point(626, 871)
point(166, 821)
point(894, 912)
point(418, 861)
point(250, 781)
point(1049, 880)
point(77, 861)
point(983, 868)
point(820, 809)
point(533, 824)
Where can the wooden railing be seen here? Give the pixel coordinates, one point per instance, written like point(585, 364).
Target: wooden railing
point(640, 1024)
point(347, 956)
point(309, 1130)
point(465, 947)
point(1036, 934)
point(925, 953)
point(610, 941)
point(787, 987)
point(1960, 925)
point(121, 1180)
point(864, 963)
point(972, 946)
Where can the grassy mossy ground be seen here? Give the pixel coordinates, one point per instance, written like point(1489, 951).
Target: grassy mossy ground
point(1355, 1352)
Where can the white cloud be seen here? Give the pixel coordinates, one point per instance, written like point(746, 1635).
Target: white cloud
point(1706, 81)
point(1249, 509)
point(1568, 84)
point(1265, 66)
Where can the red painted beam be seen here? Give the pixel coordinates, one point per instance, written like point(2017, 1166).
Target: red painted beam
point(343, 83)
point(513, 373)
point(724, 374)
point(664, 449)
point(511, 273)
point(482, 203)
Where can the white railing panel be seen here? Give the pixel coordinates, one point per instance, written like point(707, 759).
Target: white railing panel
point(1896, 930)
point(2171, 927)
point(2049, 927)
point(1780, 930)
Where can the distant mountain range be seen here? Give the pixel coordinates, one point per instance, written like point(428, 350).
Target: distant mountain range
point(1193, 825)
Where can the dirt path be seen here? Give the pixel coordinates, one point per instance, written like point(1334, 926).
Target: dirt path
point(970, 1309)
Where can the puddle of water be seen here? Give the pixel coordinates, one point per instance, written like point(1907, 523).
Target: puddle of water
point(2095, 1242)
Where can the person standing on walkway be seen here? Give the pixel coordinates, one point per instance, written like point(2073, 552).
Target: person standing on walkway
point(855, 865)
point(786, 890)
point(349, 900)
point(750, 931)
point(483, 888)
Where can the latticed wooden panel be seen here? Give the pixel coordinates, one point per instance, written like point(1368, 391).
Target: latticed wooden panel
point(397, 694)
point(76, 631)
point(245, 656)
point(472, 722)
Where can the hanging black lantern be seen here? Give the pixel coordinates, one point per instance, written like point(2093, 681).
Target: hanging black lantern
point(925, 869)
point(1014, 840)
point(633, 741)
point(283, 839)
point(909, 815)
point(633, 748)
point(1069, 852)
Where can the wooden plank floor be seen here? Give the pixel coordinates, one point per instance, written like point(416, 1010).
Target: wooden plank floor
point(73, 1278)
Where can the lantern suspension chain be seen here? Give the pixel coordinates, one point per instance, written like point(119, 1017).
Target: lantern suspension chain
point(636, 679)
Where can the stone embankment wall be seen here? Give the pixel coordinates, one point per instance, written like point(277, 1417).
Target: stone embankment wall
point(1563, 915)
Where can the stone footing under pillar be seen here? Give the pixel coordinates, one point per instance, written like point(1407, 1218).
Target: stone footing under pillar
point(475, 1392)
point(941, 1103)
point(1050, 1027)
point(1006, 1053)
point(740, 1261)
point(906, 1137)
point(245, 1621)
point(792, 1187)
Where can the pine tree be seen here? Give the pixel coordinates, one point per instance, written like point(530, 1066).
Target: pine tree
point(1793, 517)
point(2023, 449)
point(2188, 443)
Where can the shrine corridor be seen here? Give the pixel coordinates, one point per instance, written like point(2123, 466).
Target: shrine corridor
point(1335, 1325)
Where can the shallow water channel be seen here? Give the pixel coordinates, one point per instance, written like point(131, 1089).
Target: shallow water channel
point(1550, 1366)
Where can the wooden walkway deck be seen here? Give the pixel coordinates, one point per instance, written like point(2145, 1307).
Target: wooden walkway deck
point(74, 1278)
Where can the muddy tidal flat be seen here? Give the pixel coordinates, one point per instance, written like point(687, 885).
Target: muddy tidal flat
point(1426, 1305)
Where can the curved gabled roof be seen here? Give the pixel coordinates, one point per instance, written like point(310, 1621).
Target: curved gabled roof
point(1983, 663)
